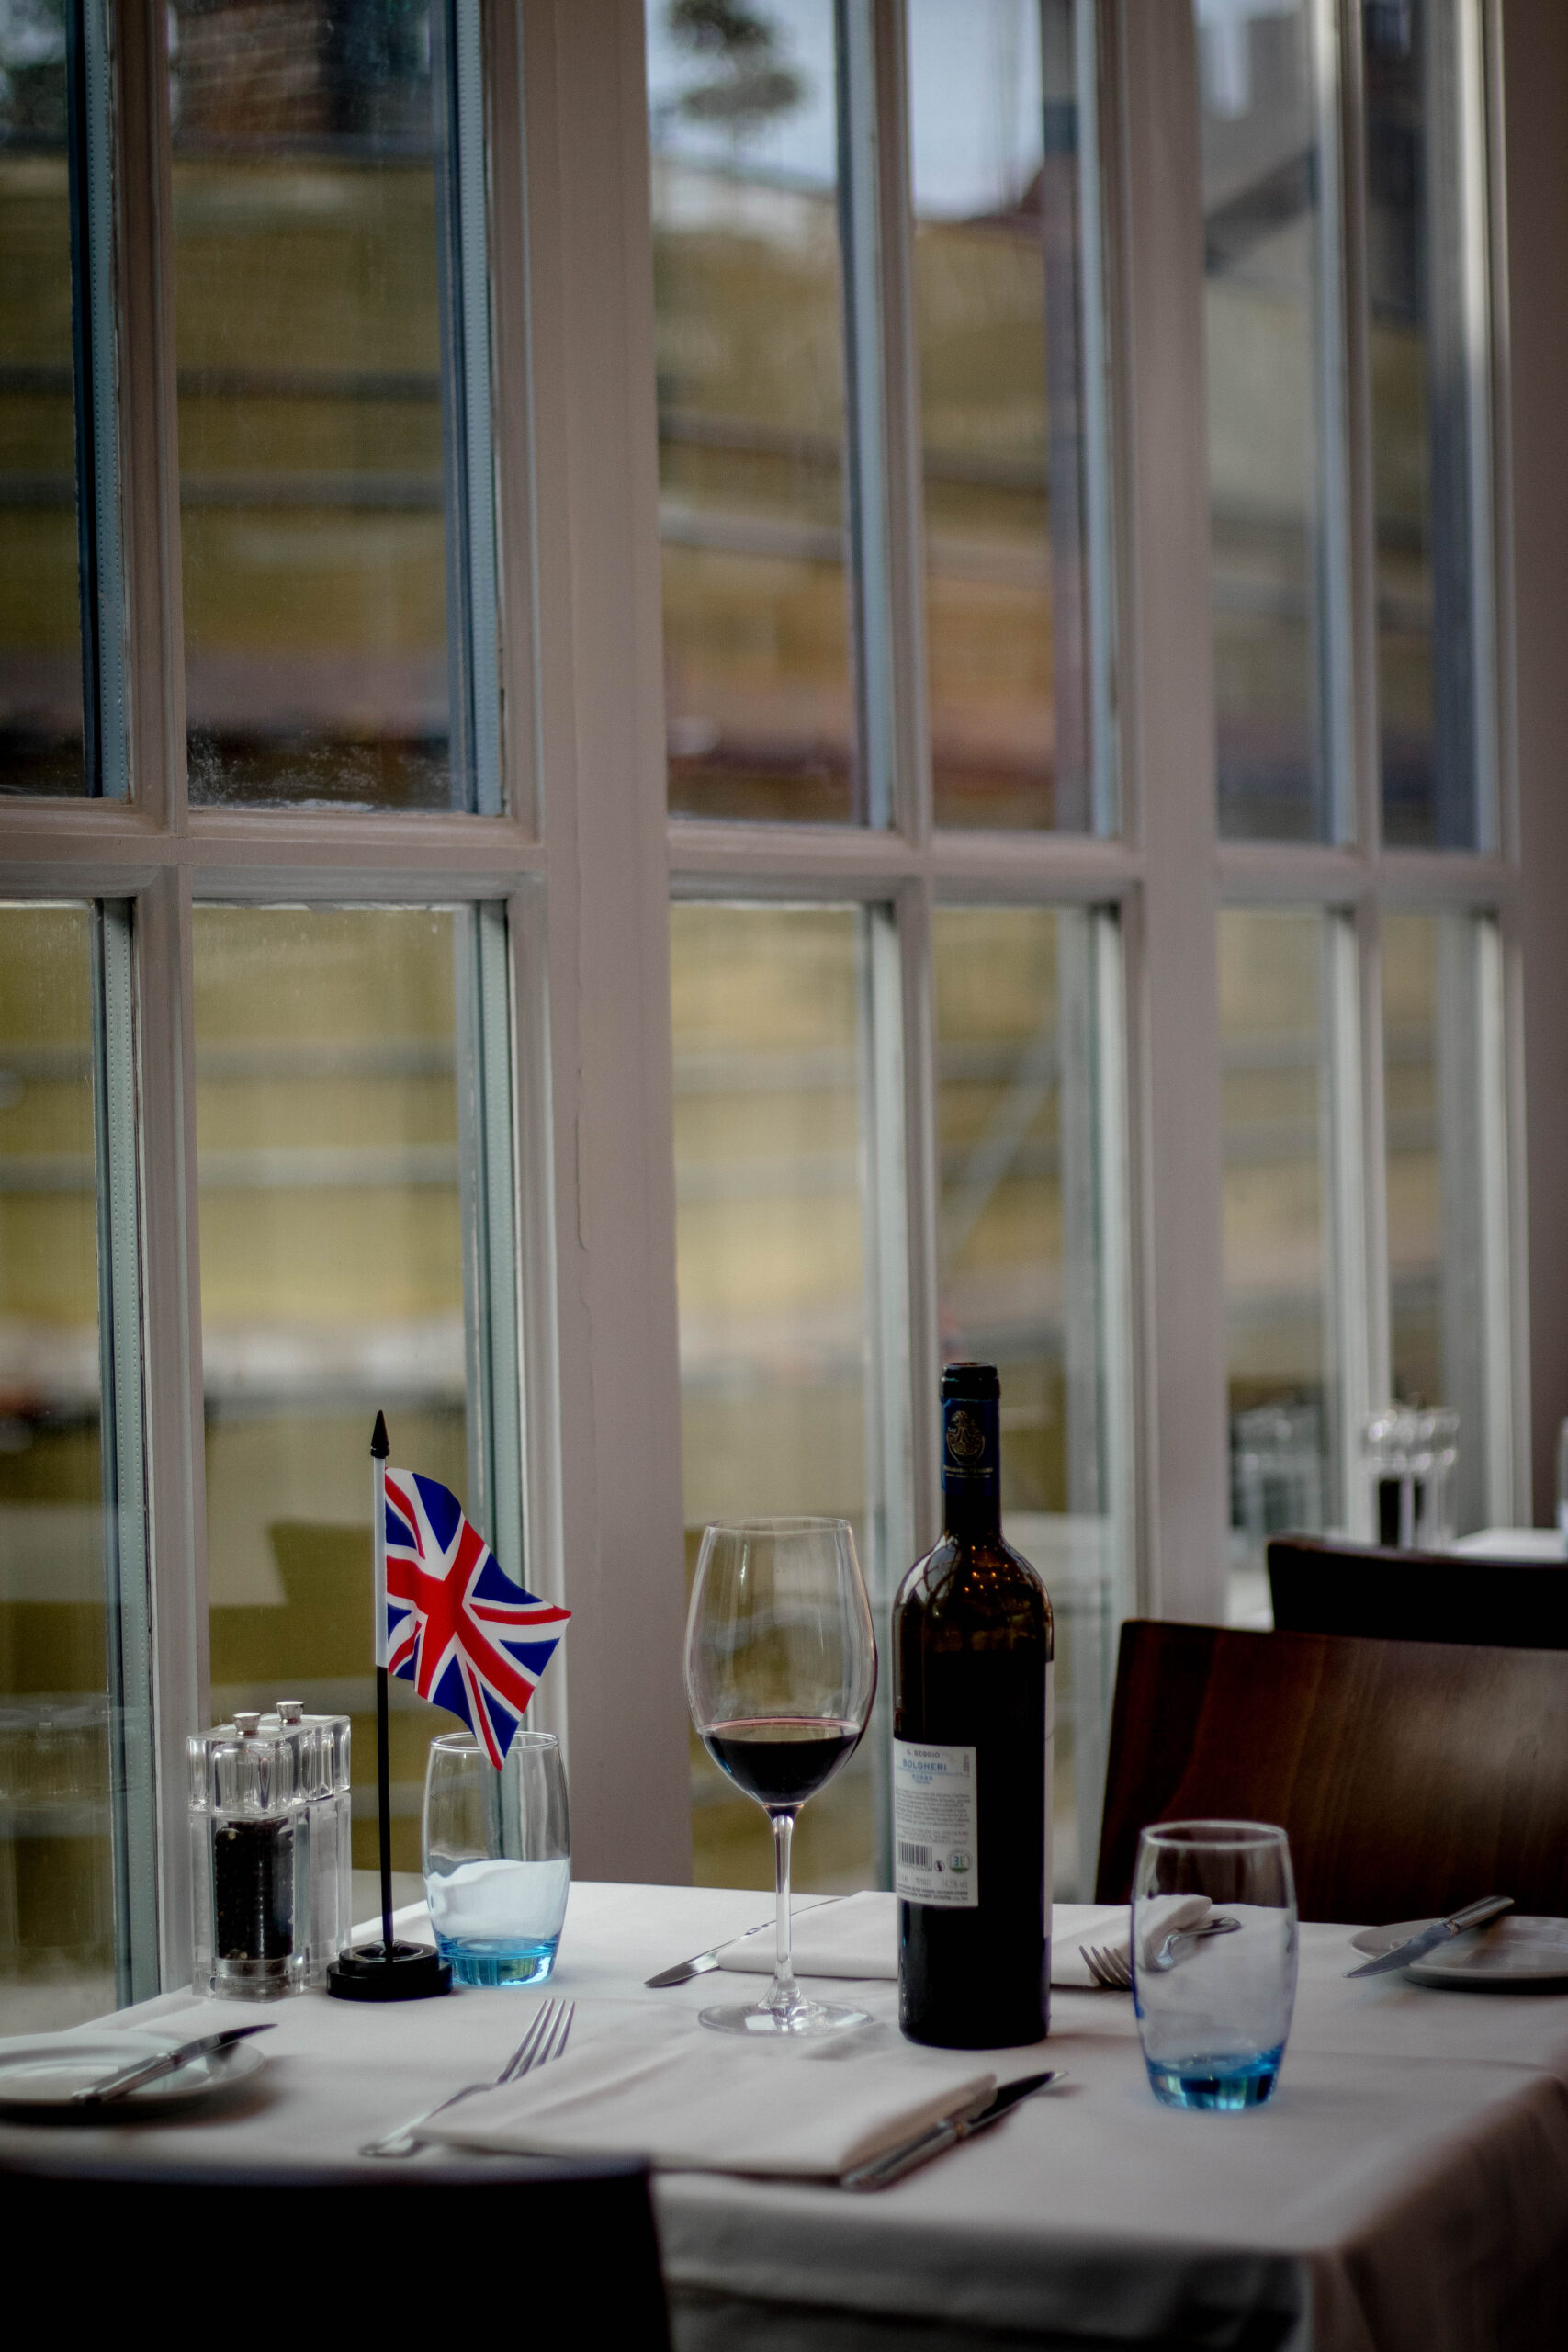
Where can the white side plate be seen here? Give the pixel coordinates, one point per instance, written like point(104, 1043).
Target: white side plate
point(40, 2073)
point(1513, 1954)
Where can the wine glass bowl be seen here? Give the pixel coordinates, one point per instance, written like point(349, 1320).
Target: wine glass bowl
point(780, 1672)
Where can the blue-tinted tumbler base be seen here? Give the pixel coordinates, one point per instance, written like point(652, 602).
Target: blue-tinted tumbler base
point(1221, 2083)
point(490, 1963)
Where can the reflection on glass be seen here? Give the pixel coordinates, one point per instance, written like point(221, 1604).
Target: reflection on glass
point(322, 467)
point(1260, 168)
point(1020, 1286)
point(1439, 1082)
point(1429, 568)
point(56, 1869)
point(331, 1283)
point(748, 292)
point(774, 1333)
point(40, 640)
point(1279, 1370)
point(994, 153)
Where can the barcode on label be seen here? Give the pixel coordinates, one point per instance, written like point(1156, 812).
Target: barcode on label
point(914, 1857)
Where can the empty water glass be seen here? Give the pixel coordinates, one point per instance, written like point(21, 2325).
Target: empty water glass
point(1213, 2008)
point(497, 1856)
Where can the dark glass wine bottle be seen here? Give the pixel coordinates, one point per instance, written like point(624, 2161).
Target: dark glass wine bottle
point(972, 1641)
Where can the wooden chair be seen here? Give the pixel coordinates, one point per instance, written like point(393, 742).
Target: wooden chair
point(1322, 1586)
point(1412, 1777)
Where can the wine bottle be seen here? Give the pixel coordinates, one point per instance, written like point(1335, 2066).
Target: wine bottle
point(972, 1641)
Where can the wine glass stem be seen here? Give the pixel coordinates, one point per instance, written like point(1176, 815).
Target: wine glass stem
point(783, 1992)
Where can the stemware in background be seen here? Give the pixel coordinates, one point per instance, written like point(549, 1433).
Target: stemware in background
point(1214, 2012)
point(497, 1856)
point(780, 1671)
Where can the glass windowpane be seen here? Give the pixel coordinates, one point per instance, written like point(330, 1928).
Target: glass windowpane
point(775, 1334)
point(1261, 167)
point(57, 1924)
point(994, 139)
point(1438, 1088)
point(1280, 1343)
point(40, 628)
point(331, 1283)
point(758, 683)
point(1431, 560)
point(332, 511)
point(1020, 1285)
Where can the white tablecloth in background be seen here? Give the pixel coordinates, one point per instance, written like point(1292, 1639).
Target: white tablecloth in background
point(1406, 2190)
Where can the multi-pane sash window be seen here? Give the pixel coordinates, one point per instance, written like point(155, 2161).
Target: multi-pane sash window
point(884, 518)
point(1349, 343)
point(259, 1172)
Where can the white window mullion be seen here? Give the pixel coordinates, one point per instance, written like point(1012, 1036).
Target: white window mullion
point(176, 1481)
point(1169, 751)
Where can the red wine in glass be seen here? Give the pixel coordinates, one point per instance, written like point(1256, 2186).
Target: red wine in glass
point(781, 1760)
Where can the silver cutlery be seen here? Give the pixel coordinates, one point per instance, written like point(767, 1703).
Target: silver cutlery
point(1112, 1969)
point(1442, 1931)
point(701, 1963)
point(168, 2062)
point(938, 2137)
point(545, 2039)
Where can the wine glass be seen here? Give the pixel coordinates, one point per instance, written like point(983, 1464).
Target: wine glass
point(780, 1671)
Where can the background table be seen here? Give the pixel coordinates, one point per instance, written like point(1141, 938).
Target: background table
point(1406, 2188)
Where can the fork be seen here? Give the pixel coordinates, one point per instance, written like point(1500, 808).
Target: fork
point(544, 2040)
point(1112, 1969)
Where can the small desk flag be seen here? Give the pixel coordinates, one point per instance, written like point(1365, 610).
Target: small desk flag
point(458, 1628)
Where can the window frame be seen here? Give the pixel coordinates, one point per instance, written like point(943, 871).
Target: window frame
point(585, 868)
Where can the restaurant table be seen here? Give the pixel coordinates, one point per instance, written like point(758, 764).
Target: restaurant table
point(1405, 2190)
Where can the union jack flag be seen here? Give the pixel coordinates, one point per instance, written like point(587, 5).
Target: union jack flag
point(458, 1628)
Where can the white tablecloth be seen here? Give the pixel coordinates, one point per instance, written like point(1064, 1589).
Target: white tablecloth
point(1406, 2190)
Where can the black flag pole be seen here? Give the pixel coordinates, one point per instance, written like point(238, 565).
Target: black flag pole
point(387, 1971)
point(380, 1447)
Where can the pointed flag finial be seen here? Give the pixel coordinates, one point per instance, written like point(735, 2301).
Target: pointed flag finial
point(380, 1443)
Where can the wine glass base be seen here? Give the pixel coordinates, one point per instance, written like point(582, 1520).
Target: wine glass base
point(782, 2025)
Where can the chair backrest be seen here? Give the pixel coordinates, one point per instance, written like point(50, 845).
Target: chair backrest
point(549, 2249)
point(1412, 1777)
point(1321, 1585)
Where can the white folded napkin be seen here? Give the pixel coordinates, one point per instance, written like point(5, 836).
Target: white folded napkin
point(859, 1936)
point(855, 1937)
point(703, 2102)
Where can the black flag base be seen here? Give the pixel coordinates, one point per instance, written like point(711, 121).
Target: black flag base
point(411, 1973)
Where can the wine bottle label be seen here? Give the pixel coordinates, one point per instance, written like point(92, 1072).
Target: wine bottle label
point(935, 1825)
point(970, 1448)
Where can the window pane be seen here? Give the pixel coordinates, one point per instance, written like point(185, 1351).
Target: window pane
point(1262, 168)
point(331, 1283)
point(333, 512)
point(40, 636)
point(994, 134)
point(1427, 346)
point(1021, 1285)
point(57, 1960)
point(749, 307)
point(1441, 1027)
point(1280, 1357)
point(773, 1323)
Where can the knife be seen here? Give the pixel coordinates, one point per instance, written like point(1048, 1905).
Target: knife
point(148, 2069)
point(938, 2137)
point(1475, 1914)
point(701, 1962)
